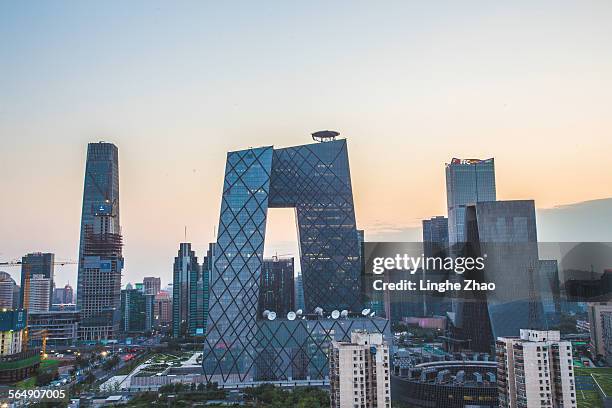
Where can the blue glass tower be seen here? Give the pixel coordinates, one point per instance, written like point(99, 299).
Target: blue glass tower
point(468, 181)
point(100, 251)
point(315, 180)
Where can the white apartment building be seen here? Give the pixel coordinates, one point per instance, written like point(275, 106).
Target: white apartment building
point(535, 370)
point(359, 372)
point(595, 311)
point(40, 294)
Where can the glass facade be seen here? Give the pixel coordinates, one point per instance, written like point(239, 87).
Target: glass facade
point(185, 277)
point(467, 182)
point(100, 251)
point(503, 232)
point(276, 286)
point(315, 180)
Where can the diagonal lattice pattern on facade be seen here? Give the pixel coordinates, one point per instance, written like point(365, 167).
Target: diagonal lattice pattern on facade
point(315, 180)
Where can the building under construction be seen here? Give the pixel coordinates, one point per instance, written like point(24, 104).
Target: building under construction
point(100, 255)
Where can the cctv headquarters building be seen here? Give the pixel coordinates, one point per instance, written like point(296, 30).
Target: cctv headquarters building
point(314, 179)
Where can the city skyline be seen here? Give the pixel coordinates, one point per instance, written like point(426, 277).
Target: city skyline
point(526, 85)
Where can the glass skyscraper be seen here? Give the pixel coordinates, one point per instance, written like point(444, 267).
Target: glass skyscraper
point(100, 250)
point(315, 180)
point(468, 181)
point(186, 274)
point(504, 233)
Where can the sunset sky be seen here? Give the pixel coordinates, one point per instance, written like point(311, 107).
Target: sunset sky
point(177, 85)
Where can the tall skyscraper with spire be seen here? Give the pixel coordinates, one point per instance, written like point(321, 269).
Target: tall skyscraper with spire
point(100, 250)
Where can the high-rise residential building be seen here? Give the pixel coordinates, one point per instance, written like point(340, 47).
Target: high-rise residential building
point(535, 370)
point(468, 181)
point(276, 286)
point(101, 243)
point(39, 264)
point(186, 270)
point(606, 329)
point(596, 324)
point(37, 298)
point(152, 285)
point(503, 234)
point(315, 180)
point(7, 290)
point(63, 295)
point(162, 308)
point(359, 374)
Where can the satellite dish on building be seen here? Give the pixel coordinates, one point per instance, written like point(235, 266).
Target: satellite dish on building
point(271, 316)
point(372, 314)
point(344, 313)
point(291, 316)
point(335, 314)
point(365, 312)
point(299, 312)
point(265, 313)
point(318, 311)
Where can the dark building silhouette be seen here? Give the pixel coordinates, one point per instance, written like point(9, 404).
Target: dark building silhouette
point(276, 286)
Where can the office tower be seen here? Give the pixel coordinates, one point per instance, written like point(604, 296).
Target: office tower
point(63, 295)
point(186, 270)
point(37, 298)
point(535, 370)
point(151, 285)
point(435, 236)
point(359, 372)
point(198, 295)
point(136, 310)
point(435, 244)
point(7, 290)
point(163, 308)
point(504, 234)
point(595, 312)
point(276, 290)
point(100, 247)
point(299, 293)
point(58, 296)
point(37, 263)
point(606, 330)
point(16, 297)
point(468, 181)
point(549, 288)
point(315, 180)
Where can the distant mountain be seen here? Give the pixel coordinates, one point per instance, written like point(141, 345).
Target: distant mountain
point(587, 221)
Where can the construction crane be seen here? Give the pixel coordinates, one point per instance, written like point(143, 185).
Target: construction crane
point(55, 263)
